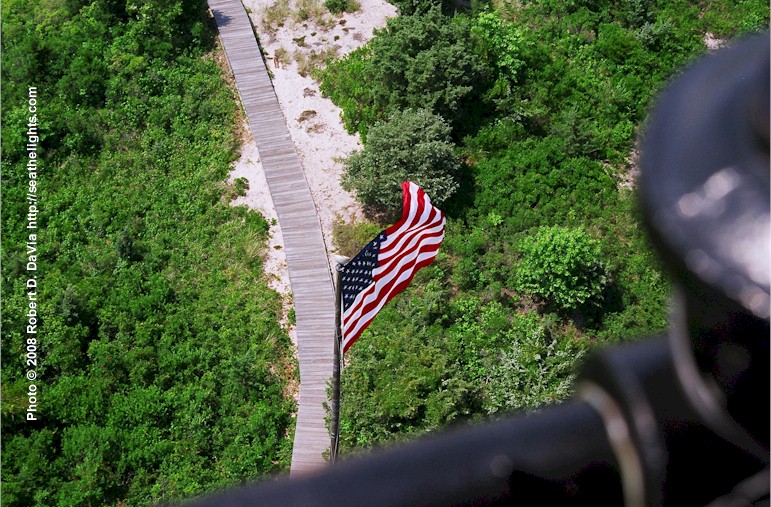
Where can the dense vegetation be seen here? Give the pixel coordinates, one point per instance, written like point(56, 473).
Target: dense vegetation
point(162, 371)
point(544, 258)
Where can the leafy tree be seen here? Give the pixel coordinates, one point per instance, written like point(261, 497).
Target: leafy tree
point(425, 60)
point(413, 145)
point(562, 265)
point(500, 41)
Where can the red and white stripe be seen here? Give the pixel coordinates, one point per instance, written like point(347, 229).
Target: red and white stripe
point(411, 244)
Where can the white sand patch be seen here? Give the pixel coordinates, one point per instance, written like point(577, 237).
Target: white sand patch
point(712, 42)
point(628, 178)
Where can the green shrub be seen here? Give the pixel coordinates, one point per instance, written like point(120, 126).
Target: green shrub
point(421, 61)
point(336, 6)
point(410, 7)
point(501, 42)
point(562, 266)
point(241, 185)
point(349, 239)
point(339, 6)
point(412, 145)
point(344, 81)
point(533, 369)
point(533, 182)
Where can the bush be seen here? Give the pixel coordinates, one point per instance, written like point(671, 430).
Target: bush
point(501, 42)
point(308, 10)
point(425, 60)
point(274, 15)
point(349, 239)
point(533, 369)
point(561, 265)
point(411, 7)
point(339, 6)
point(413, 145)
point(336, 6)
point(240, 186)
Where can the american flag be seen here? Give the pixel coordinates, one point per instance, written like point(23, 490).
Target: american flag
point(389, 262)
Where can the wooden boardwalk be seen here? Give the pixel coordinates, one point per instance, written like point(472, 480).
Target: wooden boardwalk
point(306, 255)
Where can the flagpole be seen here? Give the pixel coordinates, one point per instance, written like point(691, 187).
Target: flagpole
point(334, 423)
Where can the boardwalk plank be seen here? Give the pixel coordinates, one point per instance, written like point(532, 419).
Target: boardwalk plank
point(307, 261)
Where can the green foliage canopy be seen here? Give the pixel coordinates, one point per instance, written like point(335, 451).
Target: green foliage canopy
point(501, 42)
point(562, 266)
point(423, 60)
point(412, 145)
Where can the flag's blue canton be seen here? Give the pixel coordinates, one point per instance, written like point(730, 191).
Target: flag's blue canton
point(357, 274)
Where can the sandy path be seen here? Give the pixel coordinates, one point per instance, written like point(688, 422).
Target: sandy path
point(314, 121)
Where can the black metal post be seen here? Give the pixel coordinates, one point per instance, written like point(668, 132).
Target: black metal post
point(334, 423)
